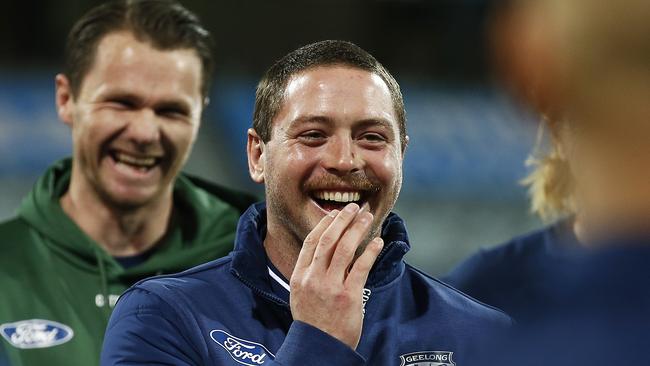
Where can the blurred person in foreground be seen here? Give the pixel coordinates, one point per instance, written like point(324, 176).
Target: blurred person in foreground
point(136, 80)
point(581, 286)
point(317, 276)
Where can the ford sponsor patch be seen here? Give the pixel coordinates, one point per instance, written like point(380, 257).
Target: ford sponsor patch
point(243, 351)
point(36, 333)
point(427, 358)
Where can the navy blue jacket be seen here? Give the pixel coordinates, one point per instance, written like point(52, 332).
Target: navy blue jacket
point(514, 277)
point(229, 312)
point(574, 306)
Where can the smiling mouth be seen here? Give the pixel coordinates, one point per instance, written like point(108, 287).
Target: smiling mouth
point(141, 163)
point(330, 200)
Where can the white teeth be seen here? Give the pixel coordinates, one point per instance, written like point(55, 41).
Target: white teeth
point(132, 160)
point(338, 196)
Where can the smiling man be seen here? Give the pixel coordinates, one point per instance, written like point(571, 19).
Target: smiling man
point(135, 83)
point(328, 140)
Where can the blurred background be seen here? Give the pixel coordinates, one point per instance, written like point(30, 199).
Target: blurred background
point(469, 138)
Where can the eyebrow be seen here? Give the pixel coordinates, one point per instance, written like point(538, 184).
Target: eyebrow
point(368, 122)
point(371, 122)
point(121, 95)
point(137, 100)
point(311, 119)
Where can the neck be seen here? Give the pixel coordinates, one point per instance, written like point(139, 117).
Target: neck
point(281, 247)
point(120, 232)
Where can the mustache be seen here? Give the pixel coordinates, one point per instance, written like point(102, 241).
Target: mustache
point(355, 181)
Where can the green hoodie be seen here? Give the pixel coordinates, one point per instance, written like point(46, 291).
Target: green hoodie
point(57, 286)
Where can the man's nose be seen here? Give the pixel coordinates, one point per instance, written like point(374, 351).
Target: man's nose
point(340, 157)
point(144, 127)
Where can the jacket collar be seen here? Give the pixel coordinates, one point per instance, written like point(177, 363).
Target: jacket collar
point(249, 257)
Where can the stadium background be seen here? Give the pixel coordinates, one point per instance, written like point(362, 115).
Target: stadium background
point(469, 139)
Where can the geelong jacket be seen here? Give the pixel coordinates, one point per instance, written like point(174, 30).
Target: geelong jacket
point(232, 312)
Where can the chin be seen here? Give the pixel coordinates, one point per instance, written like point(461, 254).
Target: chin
point(130, 198)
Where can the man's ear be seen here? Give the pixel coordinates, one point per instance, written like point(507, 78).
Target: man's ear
point(64, 99)
point(255, 150)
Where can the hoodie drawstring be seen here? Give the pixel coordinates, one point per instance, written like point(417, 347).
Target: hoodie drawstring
point(104, 282)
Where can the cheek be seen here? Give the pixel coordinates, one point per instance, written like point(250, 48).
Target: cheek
point(101, 123)
point(298, 158)
point(291, 164)
point(181, 136)
point(386, 166)
point(89, 129)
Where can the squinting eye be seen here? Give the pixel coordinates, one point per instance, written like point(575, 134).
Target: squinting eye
point(122, 103)
point(373, 137)
point(312, 135)
point(312, 138)
point(170, 112)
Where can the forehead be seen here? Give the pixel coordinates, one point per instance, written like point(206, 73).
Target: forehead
point(121, 61)
point(338, 92)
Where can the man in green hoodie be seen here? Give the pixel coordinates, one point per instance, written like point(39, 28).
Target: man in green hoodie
point(135, 83)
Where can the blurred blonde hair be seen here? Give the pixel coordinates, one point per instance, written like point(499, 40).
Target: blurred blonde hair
point(596, 41)
point(549, 182)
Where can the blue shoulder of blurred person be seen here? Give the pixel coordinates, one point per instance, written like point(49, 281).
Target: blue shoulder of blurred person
point(514, 276)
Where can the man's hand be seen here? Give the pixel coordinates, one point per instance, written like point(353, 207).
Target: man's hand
point(325, 291)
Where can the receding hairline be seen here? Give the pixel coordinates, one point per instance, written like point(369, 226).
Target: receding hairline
point(332, 65)
point(272, 88)
point(329, 65)
point(341, 65)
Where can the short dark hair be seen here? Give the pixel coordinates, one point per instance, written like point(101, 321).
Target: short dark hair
point(165, 24)
point(271, 89)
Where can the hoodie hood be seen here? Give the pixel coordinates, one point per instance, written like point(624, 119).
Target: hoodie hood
point(202, 227)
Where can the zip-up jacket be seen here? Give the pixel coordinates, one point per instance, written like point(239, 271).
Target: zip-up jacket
point(58, 286)
point(231, 311)
point(515, 276)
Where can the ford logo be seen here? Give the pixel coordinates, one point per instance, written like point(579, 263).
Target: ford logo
point(36, 333)
point(243, 351)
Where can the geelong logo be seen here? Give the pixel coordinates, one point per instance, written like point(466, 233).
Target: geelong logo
point(36, 333)
point(429, 358)
point(243, 351)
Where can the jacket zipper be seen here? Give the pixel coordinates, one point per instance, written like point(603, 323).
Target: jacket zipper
point(261, 293)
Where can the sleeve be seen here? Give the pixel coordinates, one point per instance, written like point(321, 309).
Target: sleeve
point(308, 345)
point(140, 332)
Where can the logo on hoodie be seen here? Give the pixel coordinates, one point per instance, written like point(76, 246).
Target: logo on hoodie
point(428, 358)
point(36, 333)
point(243, 351)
